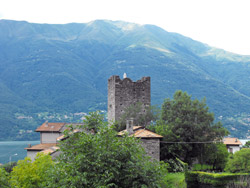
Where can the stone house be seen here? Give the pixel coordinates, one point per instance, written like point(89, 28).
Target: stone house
point(233, 144)
point(149, 140)
point(121, 94)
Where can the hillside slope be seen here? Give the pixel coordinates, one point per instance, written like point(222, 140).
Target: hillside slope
point(60, 72)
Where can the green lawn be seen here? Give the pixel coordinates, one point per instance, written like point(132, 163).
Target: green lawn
point(175, 180)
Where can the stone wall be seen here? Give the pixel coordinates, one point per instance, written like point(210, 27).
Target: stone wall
point(124, 93)
point(152, 147)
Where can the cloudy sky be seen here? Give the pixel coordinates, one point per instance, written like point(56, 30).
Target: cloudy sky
point(219, 23)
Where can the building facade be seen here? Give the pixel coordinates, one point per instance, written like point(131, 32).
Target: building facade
point(124, 93)
point(233, 144)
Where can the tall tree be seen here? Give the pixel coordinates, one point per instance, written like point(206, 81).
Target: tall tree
point(186, 124)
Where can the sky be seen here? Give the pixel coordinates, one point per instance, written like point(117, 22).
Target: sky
point(219, 23)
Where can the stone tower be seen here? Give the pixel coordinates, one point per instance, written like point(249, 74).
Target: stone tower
point(124, 93)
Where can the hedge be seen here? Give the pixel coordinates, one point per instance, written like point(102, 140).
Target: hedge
point(197, 179)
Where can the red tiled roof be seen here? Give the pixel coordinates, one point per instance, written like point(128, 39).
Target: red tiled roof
point(232, 141)
point(50, 127)
point(140, 132)
point(40, 147)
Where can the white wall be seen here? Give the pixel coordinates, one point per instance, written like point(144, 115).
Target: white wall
point(32, 154)
point(49, 137)
point(234, 148)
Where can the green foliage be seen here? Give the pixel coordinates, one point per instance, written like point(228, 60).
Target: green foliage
point(247, 145)
point(35, 70)
point(103, 159)
point(9, 166)
point(31, 174)
point(4, 178)
point(185, 120)
point(202, 167)
point(242, 182)
point(196, 179)
point(216, 155)
point(175, 180)
point(239, 161)
point(176, 165)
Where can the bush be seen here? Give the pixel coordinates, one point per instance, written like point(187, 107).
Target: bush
point(239, 162)
point(197, 179)
point(9, 166)
point(3, 178)
point(202, 167)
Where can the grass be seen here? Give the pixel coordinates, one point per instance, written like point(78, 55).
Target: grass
point(174, 180)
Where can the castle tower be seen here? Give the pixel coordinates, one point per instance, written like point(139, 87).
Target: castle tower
point(124, 93)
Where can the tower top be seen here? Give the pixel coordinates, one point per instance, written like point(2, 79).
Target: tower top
point(124, 75)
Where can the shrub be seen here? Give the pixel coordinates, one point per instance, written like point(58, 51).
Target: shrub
point(239, 162)
point(196, 179)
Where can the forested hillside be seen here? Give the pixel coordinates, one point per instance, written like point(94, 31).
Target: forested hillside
point(59, 72)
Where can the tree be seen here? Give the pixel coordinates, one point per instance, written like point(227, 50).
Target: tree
point(216, 155)
point(247, 145)
point(135, 111)
point(239, 161)
point(103, 159)
point(3, 178)
point(31, 174)
point(186, 125)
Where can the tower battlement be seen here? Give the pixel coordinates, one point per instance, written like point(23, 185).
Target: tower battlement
point(122, 93)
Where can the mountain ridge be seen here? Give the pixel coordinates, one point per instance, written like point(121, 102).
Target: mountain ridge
point(63, 68)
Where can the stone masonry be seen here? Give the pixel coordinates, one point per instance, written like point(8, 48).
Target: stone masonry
point(152, 147)
point(124, 93)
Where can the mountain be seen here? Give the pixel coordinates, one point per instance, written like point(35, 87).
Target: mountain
point(59, 72)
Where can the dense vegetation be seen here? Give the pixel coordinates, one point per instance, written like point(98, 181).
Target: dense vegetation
point(189, 130)
point(61, 69)
point(95, 157)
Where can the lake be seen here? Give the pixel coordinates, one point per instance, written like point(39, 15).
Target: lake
point(14, 150)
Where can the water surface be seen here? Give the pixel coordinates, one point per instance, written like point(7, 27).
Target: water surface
point(14, 150)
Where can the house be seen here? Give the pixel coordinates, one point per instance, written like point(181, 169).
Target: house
point(149, 140)
point(233, 144)
point(121, 94)
point(49, 132)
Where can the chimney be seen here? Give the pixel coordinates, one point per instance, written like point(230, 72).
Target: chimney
point(129, 126)
point(46, 124)
point(29, 145)
point(236, 140)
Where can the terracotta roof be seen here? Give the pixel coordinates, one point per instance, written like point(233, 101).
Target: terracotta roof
point(50, 150)
point(62, 137)
point(140, 132)
point(50, 127)
point(232, 141)
point(144, 133)
point(40, 147)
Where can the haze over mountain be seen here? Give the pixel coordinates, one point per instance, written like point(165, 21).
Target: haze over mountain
point(59, 72)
